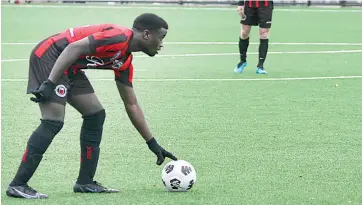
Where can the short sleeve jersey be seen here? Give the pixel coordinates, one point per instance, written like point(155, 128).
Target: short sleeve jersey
point(109, 45)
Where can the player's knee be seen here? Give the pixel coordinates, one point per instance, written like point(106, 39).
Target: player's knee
point(44, 134)
point(51, 127)
point(95, 120)
point(264, 33)
point(245, 33)
point(93, 126)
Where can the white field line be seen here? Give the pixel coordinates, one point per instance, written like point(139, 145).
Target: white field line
point(223, 54)
point(208, 79)
point(223, 43)
point(195, 8)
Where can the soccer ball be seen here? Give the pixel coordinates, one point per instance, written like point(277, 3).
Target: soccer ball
point(178, 176)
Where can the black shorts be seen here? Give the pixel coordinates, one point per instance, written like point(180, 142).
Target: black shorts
point(261, 16)
point(67, 86)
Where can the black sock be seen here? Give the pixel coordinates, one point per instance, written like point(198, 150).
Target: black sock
point(243, 47)
point(38, 143)
point(263, 50)
point(90, 139)
point(27, 168)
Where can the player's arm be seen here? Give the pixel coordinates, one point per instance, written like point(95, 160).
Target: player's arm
point(134, 110)
point(240, 9)
point(64, 61)
point(137, 118)
point(97, 42)
point(70, 54)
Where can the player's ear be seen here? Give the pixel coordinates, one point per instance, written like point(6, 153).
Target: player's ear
point(146, 34)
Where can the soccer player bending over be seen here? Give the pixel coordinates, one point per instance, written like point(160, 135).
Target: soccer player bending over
point(56, 78)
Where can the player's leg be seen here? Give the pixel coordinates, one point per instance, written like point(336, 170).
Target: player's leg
point(83, 99)
point(265, 16)
point(39, 141)
point(243, 47)
point(244, 37)
point(244, 42)
point(51, 123)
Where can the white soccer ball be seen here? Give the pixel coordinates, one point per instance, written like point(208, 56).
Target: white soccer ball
point(178, 176)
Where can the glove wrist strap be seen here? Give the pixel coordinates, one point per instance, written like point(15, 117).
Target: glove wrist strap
point(51, 83)
point(152, 141)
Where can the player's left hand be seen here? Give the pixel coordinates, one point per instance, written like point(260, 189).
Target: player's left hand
point(159, 151)
point(240, 10)
point(44, 92)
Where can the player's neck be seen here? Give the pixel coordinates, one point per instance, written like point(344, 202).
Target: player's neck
point(134, 44)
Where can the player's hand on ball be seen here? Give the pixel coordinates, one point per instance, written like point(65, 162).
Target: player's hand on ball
point(44, 92)
point(159, 151)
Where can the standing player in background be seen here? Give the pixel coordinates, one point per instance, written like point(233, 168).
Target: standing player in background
point(253, 13)
point(56, 78)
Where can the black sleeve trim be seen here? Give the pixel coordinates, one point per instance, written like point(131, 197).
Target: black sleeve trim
point(124, 77)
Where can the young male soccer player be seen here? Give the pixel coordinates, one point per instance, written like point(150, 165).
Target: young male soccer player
point(253, 13)
point(56, 78)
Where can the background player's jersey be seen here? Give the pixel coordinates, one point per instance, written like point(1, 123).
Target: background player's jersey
point(108, 44)
point(256, 3)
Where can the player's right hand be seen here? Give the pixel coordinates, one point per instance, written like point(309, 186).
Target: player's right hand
point(159, 151)
point(44, 92)
point(240, 10)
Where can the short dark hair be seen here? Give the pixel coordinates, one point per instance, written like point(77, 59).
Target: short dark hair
point(149, 21)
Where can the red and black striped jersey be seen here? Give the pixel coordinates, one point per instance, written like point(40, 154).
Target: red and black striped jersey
point(256, 3)
point(108, 44)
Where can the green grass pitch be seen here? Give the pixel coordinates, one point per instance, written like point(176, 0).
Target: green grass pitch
point(252, 139)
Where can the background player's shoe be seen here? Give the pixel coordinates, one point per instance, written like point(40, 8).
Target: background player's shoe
point(24, 191)
point(240, 67)
point(260, 70)
point(93, 188)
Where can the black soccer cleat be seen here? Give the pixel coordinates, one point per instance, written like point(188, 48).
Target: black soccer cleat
point(93, 188)
point(24, 191)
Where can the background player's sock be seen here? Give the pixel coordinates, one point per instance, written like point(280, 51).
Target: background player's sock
point(90, 139)
point(263, 50)
point(38, 143)
point(243, 47)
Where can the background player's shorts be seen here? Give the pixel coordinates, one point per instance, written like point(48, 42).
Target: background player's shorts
point(261, 16)
point(67, 86)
